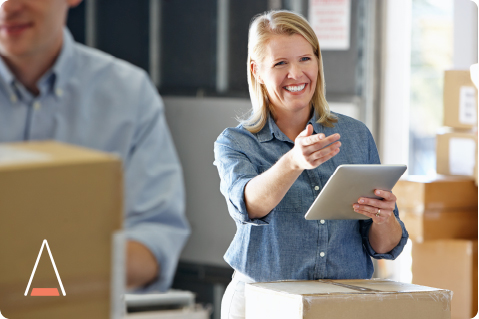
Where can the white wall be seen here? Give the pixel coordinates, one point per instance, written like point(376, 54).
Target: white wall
point(394, 106)
point(465, 34)
point(195, 123)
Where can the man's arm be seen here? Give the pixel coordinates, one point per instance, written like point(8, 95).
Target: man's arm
point(154, 196)
point(141, 265)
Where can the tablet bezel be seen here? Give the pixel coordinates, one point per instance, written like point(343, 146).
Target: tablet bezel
point(360, 180)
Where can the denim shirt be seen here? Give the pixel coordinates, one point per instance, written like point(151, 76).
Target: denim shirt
point(283, 244)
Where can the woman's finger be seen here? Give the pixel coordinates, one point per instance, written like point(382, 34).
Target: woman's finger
point(307, 131)
point(325, 151)
point(325, 158)
point(378, 203)
point(386, 195)
point(319, 141)
point(378, 216)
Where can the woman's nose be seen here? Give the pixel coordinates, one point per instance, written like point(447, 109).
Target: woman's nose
point(295, 71)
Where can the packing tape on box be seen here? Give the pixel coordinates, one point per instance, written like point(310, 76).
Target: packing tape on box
point(357, 288)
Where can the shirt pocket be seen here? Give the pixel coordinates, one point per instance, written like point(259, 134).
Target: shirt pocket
point(292, 201)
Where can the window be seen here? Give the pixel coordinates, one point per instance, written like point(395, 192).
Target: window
point(431, 53)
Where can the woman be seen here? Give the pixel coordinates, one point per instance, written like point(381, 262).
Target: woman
point(274, 164)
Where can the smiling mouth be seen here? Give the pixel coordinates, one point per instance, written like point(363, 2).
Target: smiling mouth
point(295, 88)
point(14, 28)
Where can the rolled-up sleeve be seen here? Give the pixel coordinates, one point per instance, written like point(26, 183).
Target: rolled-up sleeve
point(154, 190)
point(365, 226)
point(235, 171)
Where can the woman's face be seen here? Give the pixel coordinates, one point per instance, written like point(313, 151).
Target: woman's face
point(289, 72)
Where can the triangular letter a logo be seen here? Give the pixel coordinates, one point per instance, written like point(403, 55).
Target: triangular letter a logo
point(45, 291)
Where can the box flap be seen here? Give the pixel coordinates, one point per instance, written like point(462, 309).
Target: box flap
point(46, 153)
point(330, 287)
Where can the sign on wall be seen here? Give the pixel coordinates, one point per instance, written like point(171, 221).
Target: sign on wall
point(331, 21)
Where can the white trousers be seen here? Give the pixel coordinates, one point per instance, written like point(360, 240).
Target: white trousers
point(233, 303)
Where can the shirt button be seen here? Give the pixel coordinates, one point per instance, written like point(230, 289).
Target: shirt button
point(322, 254)
point(316, 188)
point(322, 221)
point(37, 105)
point(13, 98)
point(59, 92)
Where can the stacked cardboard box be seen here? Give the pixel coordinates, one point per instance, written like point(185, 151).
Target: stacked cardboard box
point(456, 144)
point(460, 100)
point(451, 264)
point(441, 216)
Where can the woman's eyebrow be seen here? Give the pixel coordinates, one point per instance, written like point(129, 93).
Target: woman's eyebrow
point(277, 59)
point(285, 58)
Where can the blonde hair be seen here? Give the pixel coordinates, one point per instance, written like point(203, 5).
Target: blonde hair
point(262, 27)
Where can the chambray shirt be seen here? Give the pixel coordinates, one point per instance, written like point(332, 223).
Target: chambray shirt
point(283, 244)
point(91, 99)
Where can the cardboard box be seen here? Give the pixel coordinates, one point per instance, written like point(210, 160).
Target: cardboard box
point(197, 313)
point(449, 264)
point(358, 299)
point(456, 152)
point(65, 201)
point(421, 192)
point(460, 100)
point(431, 224)
point(476, 178)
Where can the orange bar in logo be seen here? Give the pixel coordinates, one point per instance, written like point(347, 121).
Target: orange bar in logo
point(44, 292)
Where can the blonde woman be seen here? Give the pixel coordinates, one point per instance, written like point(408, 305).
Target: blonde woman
point(274, 164)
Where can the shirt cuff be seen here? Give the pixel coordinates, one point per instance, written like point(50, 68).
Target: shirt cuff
point(394, 253)
point(165, 243)
point(237, 206)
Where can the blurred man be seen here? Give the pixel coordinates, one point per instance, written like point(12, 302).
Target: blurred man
point(54, 88)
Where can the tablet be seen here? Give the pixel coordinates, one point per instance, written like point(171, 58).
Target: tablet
point(347, 184)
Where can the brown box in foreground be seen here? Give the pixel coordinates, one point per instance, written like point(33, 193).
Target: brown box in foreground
point(460, 100)
point(433, 224)
point(455, 152)
point(358, 299)
point(72, 198)
point(421, 192)
point(452, 265)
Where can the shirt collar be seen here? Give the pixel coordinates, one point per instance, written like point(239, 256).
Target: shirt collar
point(53, 80)
point(6, 80)
point(5, 73)
point(64, 65)
point(271, 130)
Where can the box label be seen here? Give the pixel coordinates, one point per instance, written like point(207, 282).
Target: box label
point(467, 105)
point(11, 155)
point(462, 156)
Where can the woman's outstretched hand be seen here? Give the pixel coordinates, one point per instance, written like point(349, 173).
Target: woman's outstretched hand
point(310, 151)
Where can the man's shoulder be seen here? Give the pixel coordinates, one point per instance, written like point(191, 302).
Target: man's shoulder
point(96, 62)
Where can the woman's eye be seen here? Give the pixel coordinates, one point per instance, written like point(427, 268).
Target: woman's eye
point(280, 63)
point(305, 58)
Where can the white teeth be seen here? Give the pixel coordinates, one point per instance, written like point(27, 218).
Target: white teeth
point(293, 88)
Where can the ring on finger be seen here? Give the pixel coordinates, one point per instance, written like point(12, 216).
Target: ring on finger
point(378, 213)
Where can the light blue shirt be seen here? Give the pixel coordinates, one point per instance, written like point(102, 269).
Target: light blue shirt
point(284, 245)
point(92, 99)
